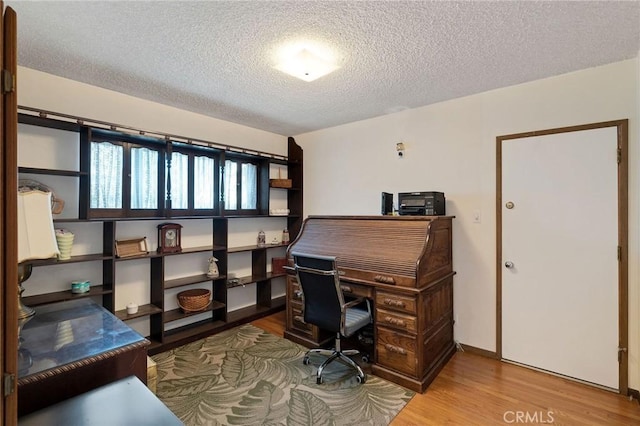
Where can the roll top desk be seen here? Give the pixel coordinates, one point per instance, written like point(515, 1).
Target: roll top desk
point(403, 264)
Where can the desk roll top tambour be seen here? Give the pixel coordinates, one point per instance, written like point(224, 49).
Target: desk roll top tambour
point(404, 265)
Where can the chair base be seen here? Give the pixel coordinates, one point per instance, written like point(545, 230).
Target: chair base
point(333, 355)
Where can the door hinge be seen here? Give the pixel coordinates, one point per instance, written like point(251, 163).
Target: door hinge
point(8, 81)
point(9, 384)
point(619, 155)
point(620, 351)
point(619, 253)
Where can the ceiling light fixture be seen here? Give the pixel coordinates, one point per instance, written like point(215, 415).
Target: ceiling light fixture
point(306, 65)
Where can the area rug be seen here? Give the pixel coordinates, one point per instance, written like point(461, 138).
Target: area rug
point(246, 376)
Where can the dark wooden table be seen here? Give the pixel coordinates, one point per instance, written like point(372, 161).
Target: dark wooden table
point(124, 402)
point(70, 348)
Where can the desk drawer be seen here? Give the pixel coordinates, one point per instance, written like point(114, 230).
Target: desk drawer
point(356, 290)
point(396, 320)
point(396, 351)
point(396, 302)
point(295, 319)
point(294, 292)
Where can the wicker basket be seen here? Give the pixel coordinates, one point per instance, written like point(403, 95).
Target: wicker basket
point(194, 300)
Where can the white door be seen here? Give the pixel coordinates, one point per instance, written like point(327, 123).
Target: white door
point(560, 253)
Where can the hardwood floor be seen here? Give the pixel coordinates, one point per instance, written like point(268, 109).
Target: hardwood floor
point(475, 390)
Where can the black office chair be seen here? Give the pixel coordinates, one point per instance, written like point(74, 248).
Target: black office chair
point(324, 306)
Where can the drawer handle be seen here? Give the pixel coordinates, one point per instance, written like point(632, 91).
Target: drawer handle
point(384, 279)
point(395, 349)
point(297, 294)
point(395, 321)
point(346, 289)
point(393, 302)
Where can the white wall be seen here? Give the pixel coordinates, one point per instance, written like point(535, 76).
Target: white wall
point(46, 148)
point(451, 147)
point(48, 92)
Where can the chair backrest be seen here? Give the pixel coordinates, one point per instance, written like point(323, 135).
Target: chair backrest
point(321, 293)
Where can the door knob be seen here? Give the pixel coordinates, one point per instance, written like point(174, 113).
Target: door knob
point(508, 264)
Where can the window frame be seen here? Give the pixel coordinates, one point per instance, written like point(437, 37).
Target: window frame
point(260, 201)
point(127, 142)
point(194, 151)
point(165, 147)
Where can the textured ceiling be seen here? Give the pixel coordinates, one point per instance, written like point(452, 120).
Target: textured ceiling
point(216, 58)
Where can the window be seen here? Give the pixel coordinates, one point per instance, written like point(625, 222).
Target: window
point(125, 177)
point(231, 185)
point(144, 178)
point(204, 172)
point(249, 186)
point(141, 176)
point(106, 175)
point(240, 186)
point(179, 181)
point(193, 180)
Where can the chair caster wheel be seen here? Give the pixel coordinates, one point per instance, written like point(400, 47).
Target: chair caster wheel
point(305, 360)
point(319, 380)
point(362, 379)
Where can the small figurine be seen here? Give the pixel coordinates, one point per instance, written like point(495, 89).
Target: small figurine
point(213, 268)
point(262, 239)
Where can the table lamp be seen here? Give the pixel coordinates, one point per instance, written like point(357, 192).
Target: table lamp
point(36, 238)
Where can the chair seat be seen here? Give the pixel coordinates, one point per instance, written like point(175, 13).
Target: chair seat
point(355, 319)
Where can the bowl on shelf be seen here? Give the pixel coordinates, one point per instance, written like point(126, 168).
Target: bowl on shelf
point(132, 308)
point(194, 300)
point(78, 287)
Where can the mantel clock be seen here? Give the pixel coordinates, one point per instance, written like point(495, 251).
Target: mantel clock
point(169, 238)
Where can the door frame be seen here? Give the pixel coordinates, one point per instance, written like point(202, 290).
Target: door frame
point(623, 231)
point(9, 216)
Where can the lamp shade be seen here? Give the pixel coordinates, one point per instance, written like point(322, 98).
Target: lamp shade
point(36, 236)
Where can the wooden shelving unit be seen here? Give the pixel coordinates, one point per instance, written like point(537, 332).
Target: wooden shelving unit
point(63, 296)
point(178, 314)
point(73, 259)
point(254, 312)
point(143, 311)
point(188, 333)
point(51, 172)
point(194, 279)
point(219, 319)
point(254, 248)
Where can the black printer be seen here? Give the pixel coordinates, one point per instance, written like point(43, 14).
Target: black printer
point(421, 203)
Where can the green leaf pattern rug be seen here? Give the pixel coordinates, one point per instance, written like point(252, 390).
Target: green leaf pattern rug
point(246, 376)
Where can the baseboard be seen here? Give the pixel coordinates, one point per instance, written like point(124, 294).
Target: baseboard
point(633, 393)
point(477, 351)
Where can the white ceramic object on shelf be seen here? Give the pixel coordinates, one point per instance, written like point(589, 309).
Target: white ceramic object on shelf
point(132, 308)
point(279, 212)
point(213, 272)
